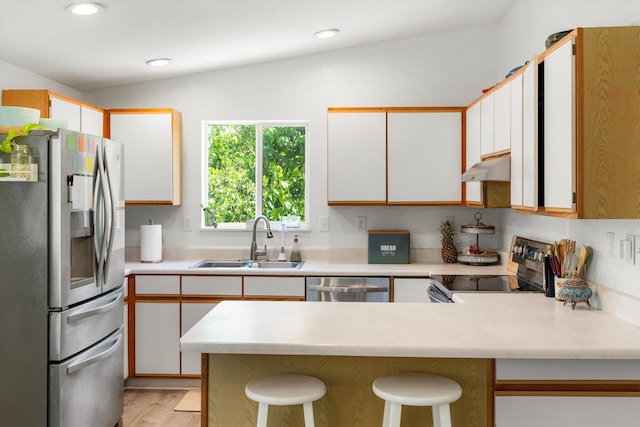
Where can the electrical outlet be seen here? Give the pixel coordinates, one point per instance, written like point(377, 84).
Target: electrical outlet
point(324, 223)
point(187, 223)
point(626, 249)
point(361, 223)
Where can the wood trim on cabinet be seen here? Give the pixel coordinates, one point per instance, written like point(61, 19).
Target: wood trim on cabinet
point(567, 388)
point(204, 391)
point(356, 109)
point(356, 203)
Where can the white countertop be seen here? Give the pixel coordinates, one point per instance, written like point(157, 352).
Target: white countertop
point(311, 268)
point(484, 326)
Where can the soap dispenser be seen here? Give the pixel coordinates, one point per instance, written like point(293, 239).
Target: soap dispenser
point(295, 250)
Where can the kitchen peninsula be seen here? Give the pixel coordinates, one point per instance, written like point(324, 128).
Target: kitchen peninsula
point(347, 345)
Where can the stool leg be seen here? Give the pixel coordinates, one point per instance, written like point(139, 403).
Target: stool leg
point(441, 415)
point(308, 414)
point(395, 413)
point(387, 411)
point(263, 412)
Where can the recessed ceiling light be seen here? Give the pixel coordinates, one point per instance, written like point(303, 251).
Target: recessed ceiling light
point(158, 62)
point(85, 8)
point(325, 34)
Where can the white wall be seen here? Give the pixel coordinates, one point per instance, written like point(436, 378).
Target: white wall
point(13, 77)
point(440, 69)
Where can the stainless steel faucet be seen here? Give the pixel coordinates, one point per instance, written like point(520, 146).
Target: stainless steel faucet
point(255, 254)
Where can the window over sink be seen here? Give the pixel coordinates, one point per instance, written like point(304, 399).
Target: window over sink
point(253, 168)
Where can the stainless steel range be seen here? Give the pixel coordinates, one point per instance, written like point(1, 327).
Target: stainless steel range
point(528, 258)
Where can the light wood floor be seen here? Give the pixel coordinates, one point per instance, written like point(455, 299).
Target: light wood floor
point(146, 408)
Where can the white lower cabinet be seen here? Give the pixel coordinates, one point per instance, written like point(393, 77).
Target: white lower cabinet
point(566, 411)
point(157, 338)
point(192, 312)
point(411, 290)
point(573, 403)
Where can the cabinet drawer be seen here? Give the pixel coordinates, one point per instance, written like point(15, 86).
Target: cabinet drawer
point(274, 286)
point(550, 369)
point(162, 285)
point(212, 285)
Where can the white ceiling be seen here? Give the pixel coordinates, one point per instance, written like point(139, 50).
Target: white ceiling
point(111, 48)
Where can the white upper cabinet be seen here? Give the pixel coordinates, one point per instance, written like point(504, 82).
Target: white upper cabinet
point(559, 129)
point(424, 156)
point(474, 189)
point(153, 161)
point(394, 156)
point(487, 125)
point(80, 116)
point(516, 141)
point(502, 118)
point(63, 109)
point(530, 108)
point(356, 144)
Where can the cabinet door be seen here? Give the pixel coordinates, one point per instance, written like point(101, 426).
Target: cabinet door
point(92, 120)
point(487, 125)
point(474, 189)
point(212, 285)
point(152, 157)
point(516, 141)
point(192, 312)
point(157, 326)
point(563, 411)
point(424, 157)
point(530, 108)
point(502, 119)
point(157, 285)
point(357, 157)
point(274, 286)
point(411, 290)
point(559, 129)
point(62, 109)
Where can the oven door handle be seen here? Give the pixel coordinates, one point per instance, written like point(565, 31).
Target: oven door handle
point(115, 302)
point(348, 289)
point(97, 358)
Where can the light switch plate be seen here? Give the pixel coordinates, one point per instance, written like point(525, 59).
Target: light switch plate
point(324, 223)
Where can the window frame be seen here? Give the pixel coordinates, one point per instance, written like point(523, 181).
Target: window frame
point(259, 124)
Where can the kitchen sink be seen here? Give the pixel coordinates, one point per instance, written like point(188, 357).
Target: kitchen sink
point(280, 264)
point(221, 264)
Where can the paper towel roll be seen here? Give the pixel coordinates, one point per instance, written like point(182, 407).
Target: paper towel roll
point(151, 243)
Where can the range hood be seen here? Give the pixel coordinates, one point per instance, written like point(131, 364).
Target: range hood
point(498, 169)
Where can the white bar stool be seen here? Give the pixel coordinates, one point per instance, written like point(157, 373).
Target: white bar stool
point(416, 389)
point(285, 389)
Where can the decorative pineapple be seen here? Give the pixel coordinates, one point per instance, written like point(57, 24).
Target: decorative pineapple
point(447, 281)
point(449, 251)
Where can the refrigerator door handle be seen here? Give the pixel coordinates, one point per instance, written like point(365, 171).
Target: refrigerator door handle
point(101, 216)
point(97, 358)
point(110, 215)
point(114, 303)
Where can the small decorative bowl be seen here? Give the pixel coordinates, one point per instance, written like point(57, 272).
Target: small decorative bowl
point(574, 291)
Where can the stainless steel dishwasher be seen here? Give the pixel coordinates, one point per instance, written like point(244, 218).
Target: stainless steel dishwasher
point(352, 289)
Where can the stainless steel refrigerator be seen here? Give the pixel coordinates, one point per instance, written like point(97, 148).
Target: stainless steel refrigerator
point(61, 284)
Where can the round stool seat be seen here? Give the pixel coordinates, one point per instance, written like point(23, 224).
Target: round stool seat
point(417, 389)
point(285, 389)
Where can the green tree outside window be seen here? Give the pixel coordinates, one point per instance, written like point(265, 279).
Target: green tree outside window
point(238, 153)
